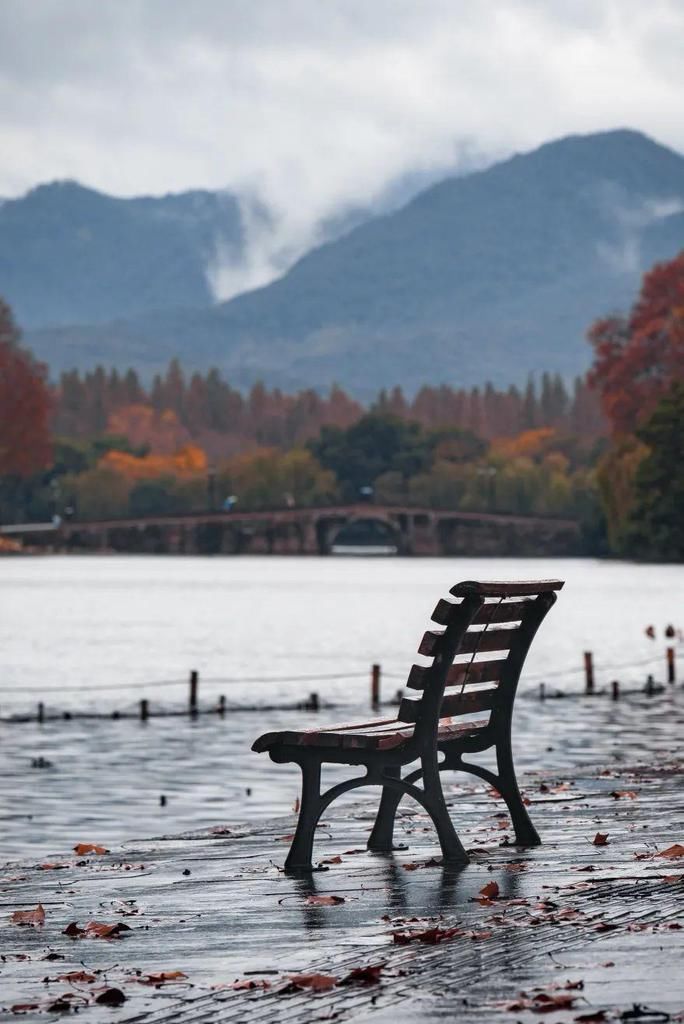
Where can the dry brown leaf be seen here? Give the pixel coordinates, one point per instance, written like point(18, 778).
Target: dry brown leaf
point(316, 982)
point(110, 997)
point(33, 918)
point(672, 852)
point(620, 794)
point(325, 901)
point(250, 983)
point(490, 891)
point(160, 977)
point(600, 839)
point(82, 848)
point(364, 975)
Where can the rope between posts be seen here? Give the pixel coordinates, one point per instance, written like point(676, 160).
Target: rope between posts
point(212, 680)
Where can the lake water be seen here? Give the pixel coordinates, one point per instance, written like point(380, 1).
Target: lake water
point(102, 632)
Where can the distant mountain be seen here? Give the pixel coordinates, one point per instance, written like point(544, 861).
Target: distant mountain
point(69, 254)
point(485, 276)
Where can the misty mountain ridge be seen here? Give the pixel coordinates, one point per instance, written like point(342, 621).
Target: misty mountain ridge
point(487, 276)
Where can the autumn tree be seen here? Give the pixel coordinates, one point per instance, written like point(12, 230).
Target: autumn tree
point(638, 357)
point(25, 446)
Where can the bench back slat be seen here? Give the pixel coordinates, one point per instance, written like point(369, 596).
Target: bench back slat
point(473, 627)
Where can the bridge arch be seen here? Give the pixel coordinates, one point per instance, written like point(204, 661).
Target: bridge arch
point(372, 531)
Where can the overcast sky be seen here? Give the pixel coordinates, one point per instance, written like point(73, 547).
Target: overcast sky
point(311, 104)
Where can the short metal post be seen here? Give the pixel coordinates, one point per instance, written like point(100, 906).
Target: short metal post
point(671, 674)
point(615, 689)
point(588, 672)
point(41, 712)
point(194, 681)
point(375, 686)
point(314, 703)
point(542, 691)
point(144, 710)
point(221, 705)
point(650, 686)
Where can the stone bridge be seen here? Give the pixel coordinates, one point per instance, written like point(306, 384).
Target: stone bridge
point(315, 531)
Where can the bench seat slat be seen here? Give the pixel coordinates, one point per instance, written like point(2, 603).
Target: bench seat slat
point(383, 738)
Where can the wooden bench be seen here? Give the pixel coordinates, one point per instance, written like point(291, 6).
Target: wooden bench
point(477, 660)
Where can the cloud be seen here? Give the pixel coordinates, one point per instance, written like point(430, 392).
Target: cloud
point(309, 107)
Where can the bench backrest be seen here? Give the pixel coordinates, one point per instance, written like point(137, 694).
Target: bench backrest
point(478, 656)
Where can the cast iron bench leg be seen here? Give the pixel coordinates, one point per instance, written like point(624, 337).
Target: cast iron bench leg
point(381, 839)
point(299, 857)
point(507, 784)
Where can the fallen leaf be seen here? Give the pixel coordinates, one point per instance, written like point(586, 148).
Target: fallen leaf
point(251, 983)
point(433, 862)
point(160, 977)
point(111, 997)
point(619, 794)
point(332, 860)
point(364, 975)
point(430, 936)
point(52, 867)
point(600, 839)
point(490, 891)
point(545, 1003)
point(75, 977)
point(594, 1017)
point(24, 1007)
point(33, 918)
point(672, 852)
point(325, 901)
point(316, 982)
point(82, 848)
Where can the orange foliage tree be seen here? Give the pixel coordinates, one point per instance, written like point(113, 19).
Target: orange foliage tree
point(637, 358)
point(188, 462)
point(25, 446)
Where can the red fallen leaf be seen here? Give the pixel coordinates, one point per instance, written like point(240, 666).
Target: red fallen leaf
point(82, 848)
point(98, 930)
point(111, 997)
point(332, 860)
point(52, 867)
point(350, 853)
point(594, 1017)
point(250, 983)
point(619, 794)
point(605, 926)
point(544, 1003)
point(160, 977)
point(672, 852)
point(573, 986)
point(325, 901)
point(600, 839)
point(24, 1007)
point(75, 977)
point(285, 839)
point(431, 936)
point(316, 982)
point(672, 878)
point(364, 975)
point(33, 918)
point(433, 862)
point(608, 963)
point(494, 793)
point(490, 891)
point(73, 931)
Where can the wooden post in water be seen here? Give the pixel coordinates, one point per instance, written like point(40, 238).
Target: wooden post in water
point(221, 705)
point(194, 683)
point(375, 687)
point(671, 674)
point(144, 710)
point(41, 712)
point(615, 689)
point(588, 672)
point(650, 686)
point(542, 691)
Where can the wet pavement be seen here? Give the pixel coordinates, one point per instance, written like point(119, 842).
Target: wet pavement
point(579, 929)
